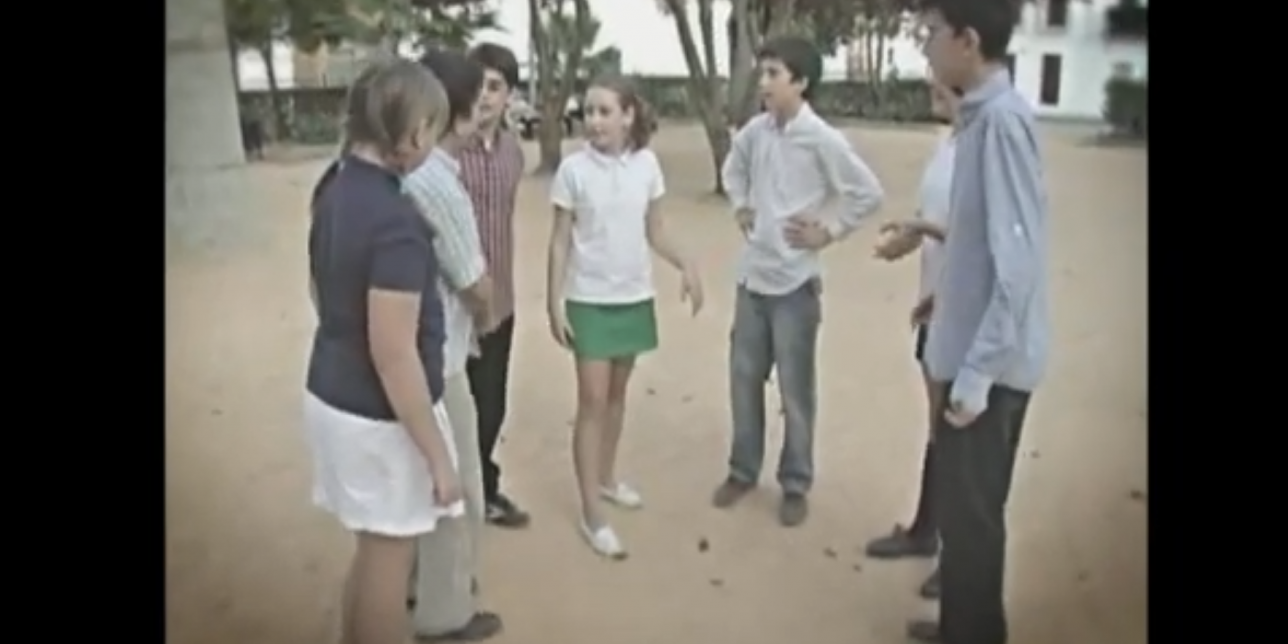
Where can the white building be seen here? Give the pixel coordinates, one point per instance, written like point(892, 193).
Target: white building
point(1060, 55)
point(1061, 58)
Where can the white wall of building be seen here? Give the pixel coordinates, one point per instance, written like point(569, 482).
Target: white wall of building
point(1088, 60)
point(650, 47)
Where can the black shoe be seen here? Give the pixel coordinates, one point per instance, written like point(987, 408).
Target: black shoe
point(503, 513)
point(481, 626)
point(794, 509)
point(930, 587)
point(924, 630)
point(902, 543)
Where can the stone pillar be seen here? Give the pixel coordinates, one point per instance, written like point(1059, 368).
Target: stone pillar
point(203, 148)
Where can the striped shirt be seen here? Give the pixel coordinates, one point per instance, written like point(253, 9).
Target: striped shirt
point(990, 324)
point(491, 175)
point(798, 169)
point(436, 189)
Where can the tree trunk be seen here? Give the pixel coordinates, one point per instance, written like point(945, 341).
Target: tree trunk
point(280, 125)
point(203, 134)
point(879, 64)
point(741, 101)
point(235, 63)
point(550, 132)
point(702, 93)
point(706, 27)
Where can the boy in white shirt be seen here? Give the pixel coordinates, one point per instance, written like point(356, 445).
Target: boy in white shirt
point(785, 167)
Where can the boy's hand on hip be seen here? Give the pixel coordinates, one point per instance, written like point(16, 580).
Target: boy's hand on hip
point(746, 221)
point(805, 232)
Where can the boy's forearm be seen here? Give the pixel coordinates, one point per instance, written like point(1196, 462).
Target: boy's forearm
point(860, 195)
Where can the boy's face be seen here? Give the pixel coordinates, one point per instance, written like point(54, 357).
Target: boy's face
point(777, 89)
point(494, 98)
point(951, 55)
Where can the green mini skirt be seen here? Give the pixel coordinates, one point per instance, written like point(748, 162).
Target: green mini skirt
point(612, 331)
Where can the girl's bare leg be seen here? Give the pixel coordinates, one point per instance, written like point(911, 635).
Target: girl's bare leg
point(347, 606)
point(933, 394)
point(378, 613)
point(618, 381)
point(593, 377)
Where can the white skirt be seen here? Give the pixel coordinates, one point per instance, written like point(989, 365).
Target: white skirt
point(370, 474)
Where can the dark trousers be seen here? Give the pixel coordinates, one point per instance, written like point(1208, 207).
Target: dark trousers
point(972, 479)
point(489, 375)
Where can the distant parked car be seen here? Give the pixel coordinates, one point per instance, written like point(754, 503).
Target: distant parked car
point(527, 118)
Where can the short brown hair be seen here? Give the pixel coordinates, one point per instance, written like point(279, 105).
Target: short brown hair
point(499, 59)
point(389, 100)
point(629, 98)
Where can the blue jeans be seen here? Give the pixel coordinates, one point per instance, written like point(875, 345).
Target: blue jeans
point(775, 331)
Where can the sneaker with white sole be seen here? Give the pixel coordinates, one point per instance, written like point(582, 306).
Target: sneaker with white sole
point(622, 495)
point(604, 541)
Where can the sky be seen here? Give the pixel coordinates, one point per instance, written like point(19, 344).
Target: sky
point(646, 37)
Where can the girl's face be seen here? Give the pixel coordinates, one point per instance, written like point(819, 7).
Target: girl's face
point(607, 124)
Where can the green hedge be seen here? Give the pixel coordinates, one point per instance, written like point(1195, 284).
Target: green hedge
point(1127, 107)
point(313, 112)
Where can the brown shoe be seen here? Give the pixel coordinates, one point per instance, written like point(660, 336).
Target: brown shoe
point(930, 588)
point(794, 509)
point(730, 492)
point(924, 630)
point(482, 626)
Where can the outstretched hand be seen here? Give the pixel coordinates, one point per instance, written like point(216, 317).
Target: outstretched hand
point(898, 239)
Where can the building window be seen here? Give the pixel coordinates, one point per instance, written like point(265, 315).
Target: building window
point(1124, 70)
point(1057, 14)
point(1050, 92)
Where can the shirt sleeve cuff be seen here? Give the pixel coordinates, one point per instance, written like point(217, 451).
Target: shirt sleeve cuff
point(970, 391)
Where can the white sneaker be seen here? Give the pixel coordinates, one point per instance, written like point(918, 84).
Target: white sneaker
point(604, 541)
point(623, 496)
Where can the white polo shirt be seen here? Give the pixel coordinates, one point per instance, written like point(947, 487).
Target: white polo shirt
point(609, 197)
point(933, 195)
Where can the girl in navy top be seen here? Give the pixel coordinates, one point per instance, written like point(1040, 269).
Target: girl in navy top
point(384, 460)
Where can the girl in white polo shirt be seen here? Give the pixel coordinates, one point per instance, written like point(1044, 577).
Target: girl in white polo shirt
point(600, 299)
point(926, 231)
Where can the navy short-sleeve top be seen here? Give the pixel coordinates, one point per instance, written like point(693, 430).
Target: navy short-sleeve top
point(365, 234)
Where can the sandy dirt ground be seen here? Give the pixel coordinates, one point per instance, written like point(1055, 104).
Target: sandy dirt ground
point(250, 561)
